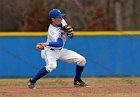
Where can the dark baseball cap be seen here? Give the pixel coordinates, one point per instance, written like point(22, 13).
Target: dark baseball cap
point(56, 13)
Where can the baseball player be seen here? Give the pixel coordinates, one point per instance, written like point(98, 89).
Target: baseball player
point(54, 50)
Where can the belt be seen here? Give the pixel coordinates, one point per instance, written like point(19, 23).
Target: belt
point(54, 49)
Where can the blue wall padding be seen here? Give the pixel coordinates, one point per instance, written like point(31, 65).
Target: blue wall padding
point(105, 55)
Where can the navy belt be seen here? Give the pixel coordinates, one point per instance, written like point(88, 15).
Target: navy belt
point(54, 49)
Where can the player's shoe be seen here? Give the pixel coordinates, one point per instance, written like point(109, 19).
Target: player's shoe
point(80, 83)
point(30, 84)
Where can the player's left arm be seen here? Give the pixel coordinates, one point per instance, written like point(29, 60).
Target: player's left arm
point(69, 30)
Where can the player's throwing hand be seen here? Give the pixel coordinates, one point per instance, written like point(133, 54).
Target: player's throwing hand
point(40, 46)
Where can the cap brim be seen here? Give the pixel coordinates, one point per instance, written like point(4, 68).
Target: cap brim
point(60, 16)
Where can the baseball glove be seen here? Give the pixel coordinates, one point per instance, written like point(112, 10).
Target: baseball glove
point(69, 30)
point(40, 46)
point(70, 34)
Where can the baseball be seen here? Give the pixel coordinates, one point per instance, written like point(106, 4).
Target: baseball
point(39, 46)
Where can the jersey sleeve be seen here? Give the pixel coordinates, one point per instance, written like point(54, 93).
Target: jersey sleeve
point(64, 23)
point(59, 43)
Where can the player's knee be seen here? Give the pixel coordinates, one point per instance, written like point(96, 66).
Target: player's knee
point(82, 61)
point(50, 67)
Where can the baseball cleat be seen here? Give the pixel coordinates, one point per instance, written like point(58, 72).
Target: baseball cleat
point(30, 84)
point(80, 83)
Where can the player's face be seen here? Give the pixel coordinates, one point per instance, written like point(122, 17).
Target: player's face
point(56, 21)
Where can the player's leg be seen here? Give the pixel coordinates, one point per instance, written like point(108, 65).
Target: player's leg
point(42, 72)
point(79, 60)
point(50, 65)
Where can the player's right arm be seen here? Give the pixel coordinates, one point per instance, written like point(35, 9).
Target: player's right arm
point(58, 43)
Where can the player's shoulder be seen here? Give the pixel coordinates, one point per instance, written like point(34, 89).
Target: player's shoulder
point(53, 30)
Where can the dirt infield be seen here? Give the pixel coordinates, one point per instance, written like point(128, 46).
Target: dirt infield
point(55, 88)
point(97, 89)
